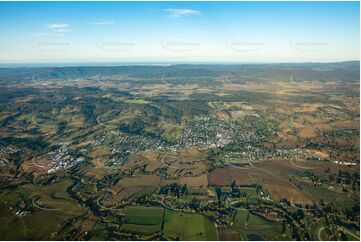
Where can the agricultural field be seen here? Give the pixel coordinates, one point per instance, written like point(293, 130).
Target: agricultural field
point(144, 220)
point(181, 226)
point(180, 152)
point(250, 224)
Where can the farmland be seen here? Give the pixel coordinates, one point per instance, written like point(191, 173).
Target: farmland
point(144, 220)
point(180, 152)
point(180, 226)
point(254, 224)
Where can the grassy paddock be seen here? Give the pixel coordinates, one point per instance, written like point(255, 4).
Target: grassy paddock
point(248, 223)
point(184, 226)
point(144, 215)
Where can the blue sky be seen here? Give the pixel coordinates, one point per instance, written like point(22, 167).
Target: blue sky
point(179, 31)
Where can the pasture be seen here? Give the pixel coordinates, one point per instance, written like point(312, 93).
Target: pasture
point(248, 223)
point(143, 220)
point(144, 215)
point(183, 226)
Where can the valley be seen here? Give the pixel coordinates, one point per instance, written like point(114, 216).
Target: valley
point(180, 152)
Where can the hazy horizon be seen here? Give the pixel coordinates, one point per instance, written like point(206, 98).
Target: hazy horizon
point(169, 63)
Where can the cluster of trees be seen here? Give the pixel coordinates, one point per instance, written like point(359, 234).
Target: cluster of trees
point(176, 111)
point(353, 213)
point(174, 189)
point(235, 192)
point(345, 177)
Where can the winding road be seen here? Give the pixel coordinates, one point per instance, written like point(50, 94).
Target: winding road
point(301, 167)
point(304, 209)
point(319, 232)
point(291, 78)
point(106, 208)
point(42, 208)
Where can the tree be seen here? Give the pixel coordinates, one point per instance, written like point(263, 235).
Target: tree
point(283, 226)
point(343, 236)
point(194, 204)
point(233, 185)
point(219, 192)
point(184, 189)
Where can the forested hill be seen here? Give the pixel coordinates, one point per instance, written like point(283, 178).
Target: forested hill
point(344, 71)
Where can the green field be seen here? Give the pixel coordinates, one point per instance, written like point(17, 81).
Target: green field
point(37, 224)
point(182, 226)
point(144, 215)
point(248, 223)
point(317, 193)
point(11, 226)
point(141, 229)
point(250, 191)
point(143, 220)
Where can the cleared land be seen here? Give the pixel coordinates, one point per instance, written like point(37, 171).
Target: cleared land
point(181, 226)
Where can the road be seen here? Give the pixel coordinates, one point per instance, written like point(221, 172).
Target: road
point(112, 126)
point(33, 120)
point(45, 209)
point(235, 202)
point(304, 209)
point(319, 232)
point(301, 167)
point(106, 208)
point(36, 164)
point(164, 81)
point(291, 78)
point(174, 167)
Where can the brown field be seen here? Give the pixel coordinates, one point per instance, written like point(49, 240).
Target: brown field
point(160, 89)
point(170, 131)
point(131, 187)
point(219, 177)
point(224, 115)
point(165, 182)
point(281, 168)
point(279, 188)
point(179, 168)
point(227, 234)
point(93, 173)
point(347, 124)
point(307, 133)
point(313, 107)
point(240, 176)
point(138, 181)
point(149, 159)
point(188, 154)
point(186, 162)
point(225, 176)
point(9, 179)
point(285, 168)
point(133, 163)
point(124, 194)
point(99, 155)
point(37, 166)
point(199, 181)
point(322, 126)
point(153, 161)
point(334, 168)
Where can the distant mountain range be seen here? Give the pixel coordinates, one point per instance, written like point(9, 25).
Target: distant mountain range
point(345, 71)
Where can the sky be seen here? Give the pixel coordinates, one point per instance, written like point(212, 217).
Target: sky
point(241, 32)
